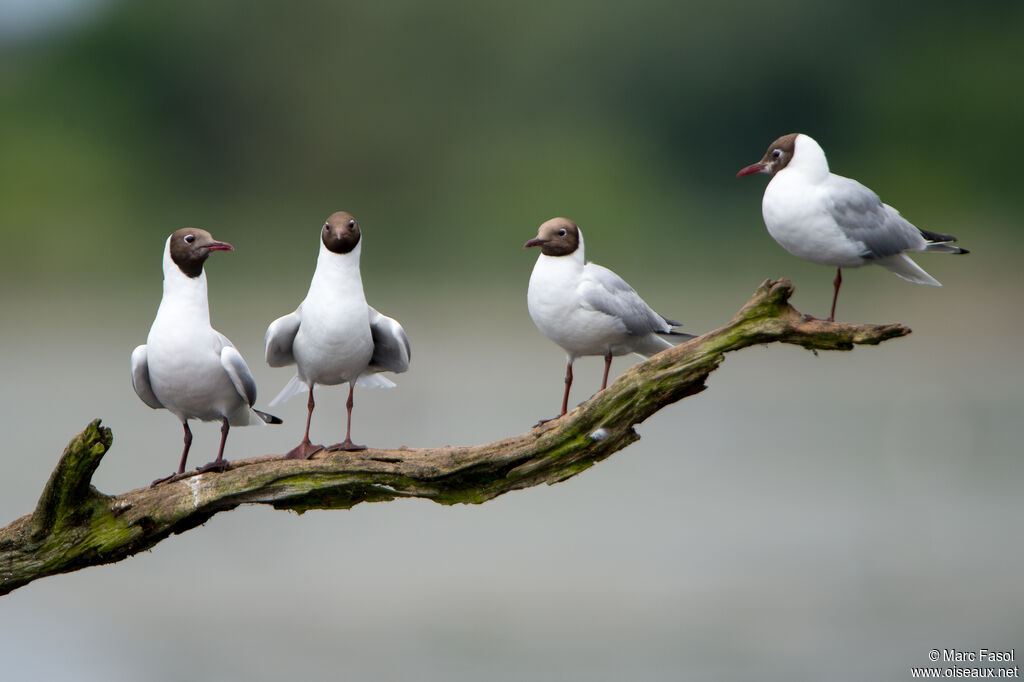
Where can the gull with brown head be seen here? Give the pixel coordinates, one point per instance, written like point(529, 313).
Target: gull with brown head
point(587, 309)
point(831, 220)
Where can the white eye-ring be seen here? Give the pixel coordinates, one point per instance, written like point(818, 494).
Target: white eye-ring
point(776, 153)
point(189, 238)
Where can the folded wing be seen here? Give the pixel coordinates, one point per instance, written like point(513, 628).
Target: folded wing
point(391, 349)
point(279, 339)
point(233, 363)
point(604, 291)
point(863, 217)
point(140, 378)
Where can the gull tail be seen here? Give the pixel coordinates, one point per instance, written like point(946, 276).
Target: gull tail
point(904, 268)
point(652, 344)
point(267, 417)
point(680, 336)
point(294, 387)
point(374, 380)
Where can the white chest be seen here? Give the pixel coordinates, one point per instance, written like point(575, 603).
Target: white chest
point(185, 371)
point(333, 344)
point(556, 307)
point(798, 217)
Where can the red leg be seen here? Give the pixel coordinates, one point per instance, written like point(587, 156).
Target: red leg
point(219, 464)
point(565, 396)
point(835, 296)
point(607, 367)
point(347, 444)
point(188, 445)
point(184, 456)
point(568, 385)
point(305, 449)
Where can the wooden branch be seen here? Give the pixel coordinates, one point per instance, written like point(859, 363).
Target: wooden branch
point(75, 526)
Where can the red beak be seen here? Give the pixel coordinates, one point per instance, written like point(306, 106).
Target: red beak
point(536, 241)
point(753, 168)
point(219, 246)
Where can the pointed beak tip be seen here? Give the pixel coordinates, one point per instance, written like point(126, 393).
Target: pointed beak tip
point(533, 242)
point(751, 169)
point(220, 246)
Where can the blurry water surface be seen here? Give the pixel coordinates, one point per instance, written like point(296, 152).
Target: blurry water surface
point(831, 517)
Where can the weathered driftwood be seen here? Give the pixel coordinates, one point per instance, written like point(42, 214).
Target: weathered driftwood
point(74, 525)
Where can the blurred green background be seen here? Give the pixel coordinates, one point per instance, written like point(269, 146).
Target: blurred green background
point(806, 518)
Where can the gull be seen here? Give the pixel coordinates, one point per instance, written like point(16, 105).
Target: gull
point(588, 309)
point(186, 366)
point(334, 337)
point(831, 220)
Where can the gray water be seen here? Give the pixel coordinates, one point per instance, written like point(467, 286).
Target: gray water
point(832, 517)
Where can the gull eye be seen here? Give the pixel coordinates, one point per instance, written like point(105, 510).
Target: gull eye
point(351, 224)
point(776, 153)
point(562, 232)
point(189, 238)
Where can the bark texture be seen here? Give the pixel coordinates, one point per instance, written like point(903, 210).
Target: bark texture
point(74, 525)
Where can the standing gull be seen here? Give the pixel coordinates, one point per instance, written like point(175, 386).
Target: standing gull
point(333, 336)
point(187, 366)
point(831, 220)
point(588, 309)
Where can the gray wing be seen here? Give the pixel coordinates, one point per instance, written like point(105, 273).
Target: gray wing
point(279, 338)
point(234, 364)
point(140, 378)
point(863, 217)
point(391, 350)
point(606, 292)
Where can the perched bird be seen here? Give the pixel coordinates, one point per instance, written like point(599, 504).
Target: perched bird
point(588, 309)
point(333, 336)
point(186, 366)
point(831, 220)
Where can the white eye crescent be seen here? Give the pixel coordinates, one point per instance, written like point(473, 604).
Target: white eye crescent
point(562, 233)
point(189, 238)
point(776, 153)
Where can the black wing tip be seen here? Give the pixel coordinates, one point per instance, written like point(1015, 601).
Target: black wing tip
point(936, 237)
point(944, 239)
point(268, 418)
point(672, 332)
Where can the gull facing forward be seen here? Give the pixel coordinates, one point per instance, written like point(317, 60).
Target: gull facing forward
point(334, 337)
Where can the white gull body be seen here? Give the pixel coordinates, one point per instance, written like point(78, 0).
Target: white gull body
point(334, 336)
point(330, 330)
point(829, 219)
point(589, 310)
point(585, 308)
point(186, 366)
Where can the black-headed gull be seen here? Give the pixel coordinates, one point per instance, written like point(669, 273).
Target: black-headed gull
point(333, 336)
point(831, 220)
point(588, 309)
point(186, 366)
